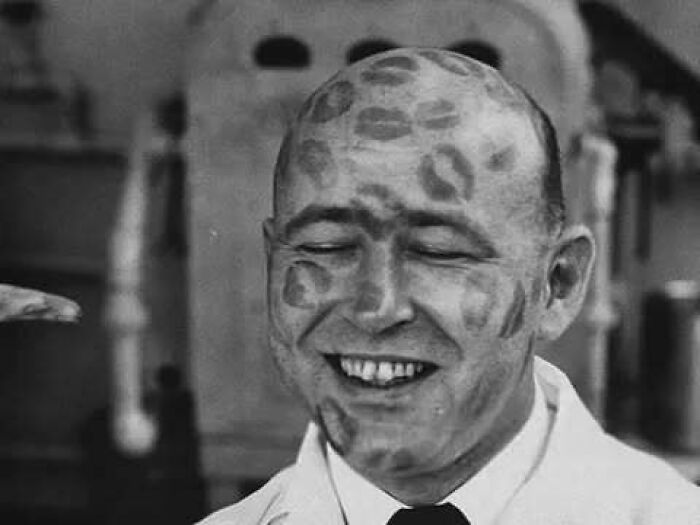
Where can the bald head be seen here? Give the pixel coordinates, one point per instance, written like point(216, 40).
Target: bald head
point(447, 111)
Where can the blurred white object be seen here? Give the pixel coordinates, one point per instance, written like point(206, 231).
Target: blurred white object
point(597, 162)
point(126, 315)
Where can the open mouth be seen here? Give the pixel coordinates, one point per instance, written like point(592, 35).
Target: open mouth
point(380, 372)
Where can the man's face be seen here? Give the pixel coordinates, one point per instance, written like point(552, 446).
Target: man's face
point(405, 277)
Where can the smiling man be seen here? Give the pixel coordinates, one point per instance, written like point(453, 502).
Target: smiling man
point(416, 252)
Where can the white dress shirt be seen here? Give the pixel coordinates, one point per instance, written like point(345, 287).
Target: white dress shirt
point(583, 476)
point(481, 499)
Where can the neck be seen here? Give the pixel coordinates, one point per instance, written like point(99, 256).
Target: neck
point(431, 487)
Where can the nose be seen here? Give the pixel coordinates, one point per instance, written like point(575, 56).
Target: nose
point(381, 300)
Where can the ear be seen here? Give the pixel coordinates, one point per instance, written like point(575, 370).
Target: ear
point(570, 266)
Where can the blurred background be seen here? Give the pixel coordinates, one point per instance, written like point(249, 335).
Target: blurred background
point(137, 140)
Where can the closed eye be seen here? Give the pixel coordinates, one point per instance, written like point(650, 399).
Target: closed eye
point(443, 255)
point(326, 248)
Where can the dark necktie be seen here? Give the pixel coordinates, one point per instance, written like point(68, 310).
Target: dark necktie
point(445, 514)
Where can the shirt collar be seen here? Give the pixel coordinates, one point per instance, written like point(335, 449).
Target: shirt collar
point(365, 504)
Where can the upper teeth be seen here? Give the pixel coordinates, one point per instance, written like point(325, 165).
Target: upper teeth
point(379, 371)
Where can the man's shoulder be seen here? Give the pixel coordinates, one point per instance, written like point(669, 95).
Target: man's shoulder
point(259, 507)
point(633, 485)
point(583, 463)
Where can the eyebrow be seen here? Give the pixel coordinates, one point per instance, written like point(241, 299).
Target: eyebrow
point(375, 226)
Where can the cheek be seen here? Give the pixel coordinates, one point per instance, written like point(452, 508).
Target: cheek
point(305, 284)
point(493, 378)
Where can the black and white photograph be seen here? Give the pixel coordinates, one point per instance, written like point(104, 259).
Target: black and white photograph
point(350, 262)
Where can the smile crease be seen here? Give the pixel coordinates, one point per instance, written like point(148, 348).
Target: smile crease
point(381, 372)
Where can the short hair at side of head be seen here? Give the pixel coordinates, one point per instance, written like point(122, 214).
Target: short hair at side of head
point(552, 191)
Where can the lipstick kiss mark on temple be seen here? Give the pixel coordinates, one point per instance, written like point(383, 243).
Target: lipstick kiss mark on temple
point(385, 78)
point(446, 63)
point(398, 62)
point(503, 160)
point(314, 158)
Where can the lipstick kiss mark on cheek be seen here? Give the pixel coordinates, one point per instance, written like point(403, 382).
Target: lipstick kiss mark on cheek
point(304, 285)
point(295, 293)
point(478, 302)
point(513, 320)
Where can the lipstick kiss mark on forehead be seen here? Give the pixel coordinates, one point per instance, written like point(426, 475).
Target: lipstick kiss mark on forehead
point(472, 66)
point(513, 320)
point(398, 62)
point(379, 191)
point(437, 114)
point(460, 165)
point(314, 158)
point(499, 91)
point(333, 102)
point(390, 71)
point(383, 124)
point(454, 63)
point(385, 78)
point(444, 62)
point(503, 160)
point(433, 185)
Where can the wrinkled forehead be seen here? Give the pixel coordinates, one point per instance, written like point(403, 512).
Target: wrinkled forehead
point(453, 122)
